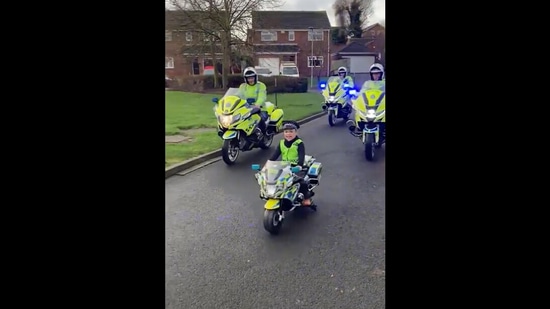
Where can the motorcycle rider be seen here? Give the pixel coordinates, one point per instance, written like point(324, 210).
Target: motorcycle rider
point(255, 89)
point(377, 81)
point(345, 78)
point(292, 149)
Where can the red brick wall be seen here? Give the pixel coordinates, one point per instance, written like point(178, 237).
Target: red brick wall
point(173, 49)
point(183, 65)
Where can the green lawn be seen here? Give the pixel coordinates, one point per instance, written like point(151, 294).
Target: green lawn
point(185, 110)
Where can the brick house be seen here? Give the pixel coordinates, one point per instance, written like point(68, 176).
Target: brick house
point(358, 54)
point(373, 31)
point(376, 34)
point(302, 37)
point(188, 50)
point(371, 44)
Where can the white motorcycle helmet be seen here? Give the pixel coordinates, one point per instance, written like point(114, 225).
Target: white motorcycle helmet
point(250, 72)
point(342, 70)
point(376, 68)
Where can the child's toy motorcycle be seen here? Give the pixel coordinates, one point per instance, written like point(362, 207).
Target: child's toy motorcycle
point(279, 188)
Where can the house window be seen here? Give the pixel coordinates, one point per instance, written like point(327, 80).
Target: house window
point(168, 62)
point(211, 37)
point(291, 35)
point(195, 67)
point(289, 58)
point(188, 36)
point(269, 36)
point(167, 35)
point(314, 61)
point(315, 35)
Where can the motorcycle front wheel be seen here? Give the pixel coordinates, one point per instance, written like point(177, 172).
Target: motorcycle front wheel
point(272, 224)
point(230, 152)
point(369, 147)
point(331, 118)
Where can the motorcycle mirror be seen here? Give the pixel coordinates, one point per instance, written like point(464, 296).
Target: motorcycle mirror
point(255, 167)
point(215, 100)
point(296, 169)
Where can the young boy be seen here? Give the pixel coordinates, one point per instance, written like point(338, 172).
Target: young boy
point(292, 149)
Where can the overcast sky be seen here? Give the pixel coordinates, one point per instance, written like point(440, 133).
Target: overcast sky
point(379, 7)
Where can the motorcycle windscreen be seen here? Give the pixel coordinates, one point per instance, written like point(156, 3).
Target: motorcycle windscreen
point(372, 97)
point(230, 104)
point(230, 100)
point(274, 170)
point(333, 85)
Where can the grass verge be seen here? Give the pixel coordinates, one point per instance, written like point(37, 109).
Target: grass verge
point(186, 112)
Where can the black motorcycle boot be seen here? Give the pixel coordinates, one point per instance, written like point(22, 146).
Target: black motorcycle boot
point(353, 130)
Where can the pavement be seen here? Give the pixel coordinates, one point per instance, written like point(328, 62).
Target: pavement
point(218, 254)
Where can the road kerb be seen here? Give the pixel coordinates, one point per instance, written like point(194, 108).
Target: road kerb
point(176, 168)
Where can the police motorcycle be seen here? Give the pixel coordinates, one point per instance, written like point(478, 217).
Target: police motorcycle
point(336, 102)
point(370, 118)
point(239, 124)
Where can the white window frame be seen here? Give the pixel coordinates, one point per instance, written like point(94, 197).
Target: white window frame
point(273, 35)
point(315, 35)
point(167, 35)
point(189, 36)
point(168, 62)
point(310, 63)
point(291, 36)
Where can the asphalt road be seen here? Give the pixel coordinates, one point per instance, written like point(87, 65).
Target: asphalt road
point(218, 254)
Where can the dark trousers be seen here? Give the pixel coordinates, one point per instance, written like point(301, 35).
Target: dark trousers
point(303, 185)
point(262, 125)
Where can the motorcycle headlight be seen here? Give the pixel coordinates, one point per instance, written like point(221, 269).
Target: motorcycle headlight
point(227, 120)
point(371, 113)
point(331, 98)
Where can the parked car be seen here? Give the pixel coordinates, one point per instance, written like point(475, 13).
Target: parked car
point(289, 69)
point(262, 71)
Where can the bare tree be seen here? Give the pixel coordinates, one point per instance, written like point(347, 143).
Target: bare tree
point(226, 21)
point(353, 15)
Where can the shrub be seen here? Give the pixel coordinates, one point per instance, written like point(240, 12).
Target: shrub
point(285, 84)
